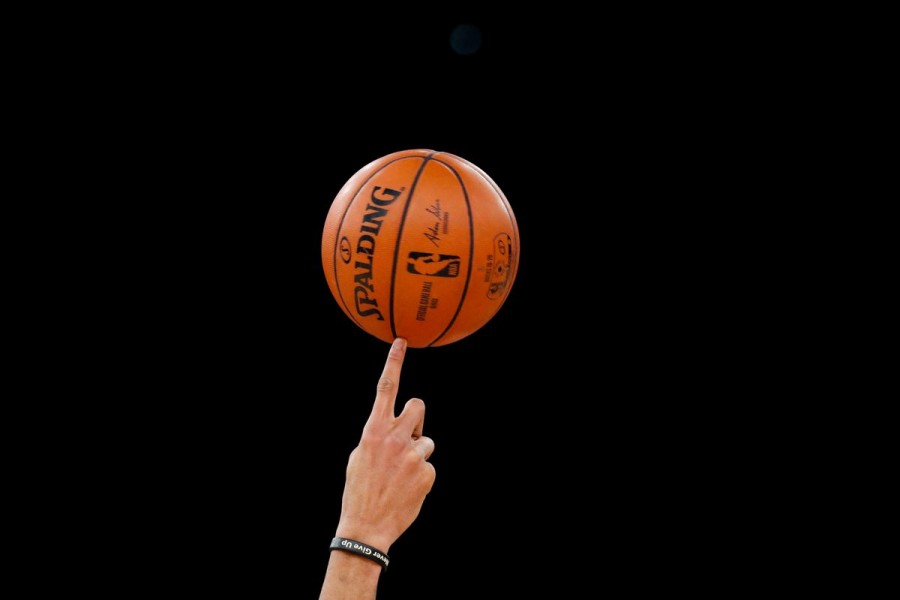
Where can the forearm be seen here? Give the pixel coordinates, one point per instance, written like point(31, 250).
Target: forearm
point(350, 577)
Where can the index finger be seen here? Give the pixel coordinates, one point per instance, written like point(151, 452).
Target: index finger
point(389, 382)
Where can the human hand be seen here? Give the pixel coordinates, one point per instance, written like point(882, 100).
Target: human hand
point(388, 473)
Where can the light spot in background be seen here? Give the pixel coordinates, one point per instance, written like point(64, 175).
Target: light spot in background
point(465, 39)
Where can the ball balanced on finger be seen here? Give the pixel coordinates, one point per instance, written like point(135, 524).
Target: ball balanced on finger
point(420, 244)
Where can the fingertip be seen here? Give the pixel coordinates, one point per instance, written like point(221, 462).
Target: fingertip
point(416, 401)
point(398, 348)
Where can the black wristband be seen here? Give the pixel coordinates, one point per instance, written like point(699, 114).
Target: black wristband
point(348, 545)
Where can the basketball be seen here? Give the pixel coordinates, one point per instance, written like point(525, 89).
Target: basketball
point(420, 244)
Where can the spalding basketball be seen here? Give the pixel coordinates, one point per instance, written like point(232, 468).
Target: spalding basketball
point(422, 245)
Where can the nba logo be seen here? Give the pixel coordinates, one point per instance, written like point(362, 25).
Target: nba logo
point(428, 263)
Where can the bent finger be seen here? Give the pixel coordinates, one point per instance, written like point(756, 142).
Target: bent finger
point(412, 418)
point(424, 445)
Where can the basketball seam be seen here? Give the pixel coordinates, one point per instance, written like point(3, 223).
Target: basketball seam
point(409, 198)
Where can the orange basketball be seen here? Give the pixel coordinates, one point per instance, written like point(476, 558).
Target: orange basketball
point(422, 245)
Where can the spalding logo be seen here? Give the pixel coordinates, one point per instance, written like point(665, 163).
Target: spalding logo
point(366, 303)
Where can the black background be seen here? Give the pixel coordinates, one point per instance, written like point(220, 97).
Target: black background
point(582, 437)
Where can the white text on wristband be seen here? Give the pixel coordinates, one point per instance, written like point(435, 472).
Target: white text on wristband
point(355, 547)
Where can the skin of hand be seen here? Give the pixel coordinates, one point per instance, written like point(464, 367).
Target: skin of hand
point(388, 476)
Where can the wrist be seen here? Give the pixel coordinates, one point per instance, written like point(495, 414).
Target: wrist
point(349, 567)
